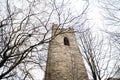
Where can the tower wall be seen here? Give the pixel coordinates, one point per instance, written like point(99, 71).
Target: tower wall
point(64, 61)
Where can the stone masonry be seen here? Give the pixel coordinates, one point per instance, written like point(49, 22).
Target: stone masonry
point(64, 61)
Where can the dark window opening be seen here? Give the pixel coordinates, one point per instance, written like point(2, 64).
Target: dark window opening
point(66, 41)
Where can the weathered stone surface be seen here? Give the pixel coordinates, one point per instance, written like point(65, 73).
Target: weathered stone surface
point(64, 62)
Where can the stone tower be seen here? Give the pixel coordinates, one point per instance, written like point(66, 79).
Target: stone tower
point(64, 59)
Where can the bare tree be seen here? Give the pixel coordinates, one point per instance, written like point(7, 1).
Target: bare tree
point(111, 15)
point(111, 11)
point(115, 38)
point(25, 32)
point(98, 56)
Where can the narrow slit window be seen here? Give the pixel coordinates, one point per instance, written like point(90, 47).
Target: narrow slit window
point(66, 41)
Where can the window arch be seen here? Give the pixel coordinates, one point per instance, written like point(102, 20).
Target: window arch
point(66, 41)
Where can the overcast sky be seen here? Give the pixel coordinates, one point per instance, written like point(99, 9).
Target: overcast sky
point(94, 15)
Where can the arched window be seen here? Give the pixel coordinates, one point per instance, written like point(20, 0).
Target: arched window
point(66, 41)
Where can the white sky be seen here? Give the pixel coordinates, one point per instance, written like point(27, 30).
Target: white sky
point(94, 14)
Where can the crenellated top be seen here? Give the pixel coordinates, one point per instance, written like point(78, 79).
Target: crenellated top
point(56, 29)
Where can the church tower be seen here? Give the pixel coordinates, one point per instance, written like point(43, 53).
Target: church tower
point(64, 60)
